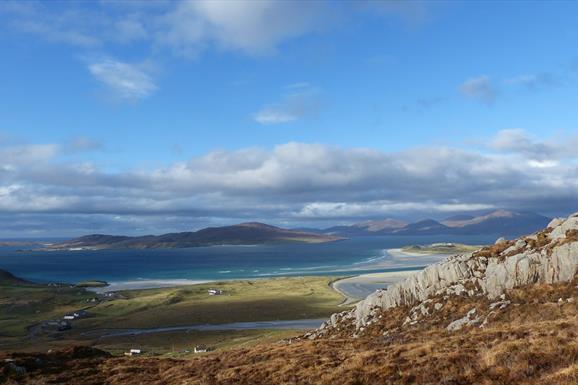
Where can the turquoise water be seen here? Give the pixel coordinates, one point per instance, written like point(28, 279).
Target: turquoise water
point(351, 256)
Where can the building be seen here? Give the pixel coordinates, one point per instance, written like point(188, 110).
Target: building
point(201, 349)
point(133, 352)
point(215, 291)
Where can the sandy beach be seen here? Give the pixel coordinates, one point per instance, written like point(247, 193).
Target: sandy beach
point(358, 287)
point(145, 284)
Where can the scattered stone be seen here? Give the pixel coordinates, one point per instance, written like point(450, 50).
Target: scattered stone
point(486, 320)
point(468, 320)
point(500, 304)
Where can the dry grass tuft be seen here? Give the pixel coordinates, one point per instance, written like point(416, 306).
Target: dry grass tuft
point(493, 251)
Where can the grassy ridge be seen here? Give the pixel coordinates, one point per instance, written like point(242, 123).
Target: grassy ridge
point(241, 301)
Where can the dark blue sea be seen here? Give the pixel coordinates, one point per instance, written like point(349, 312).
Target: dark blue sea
point(347, 257)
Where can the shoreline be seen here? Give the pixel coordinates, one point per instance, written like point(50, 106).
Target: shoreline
point(356, 288)
point(353, 287)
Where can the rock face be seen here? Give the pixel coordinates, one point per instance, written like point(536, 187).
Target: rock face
point(548, 256)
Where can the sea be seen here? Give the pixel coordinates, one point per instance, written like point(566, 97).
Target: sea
point(216, 263)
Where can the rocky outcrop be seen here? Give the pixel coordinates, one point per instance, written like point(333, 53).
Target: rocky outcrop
point(548, 256)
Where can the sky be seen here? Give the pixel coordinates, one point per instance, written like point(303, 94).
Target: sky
point(157, 116)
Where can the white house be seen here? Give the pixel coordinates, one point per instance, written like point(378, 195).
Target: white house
point(201, 349)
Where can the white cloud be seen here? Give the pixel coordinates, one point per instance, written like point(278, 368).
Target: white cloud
point(516, 140)
point(129, 30)
point(126, 81)
point(274, 114)
point(253, 27)
point(293, 183)
point(303, 100)
point(187, 27)
point(82, 144)
point(27, 154)
point(533, 81)
point(479, 88)
point(338, 210)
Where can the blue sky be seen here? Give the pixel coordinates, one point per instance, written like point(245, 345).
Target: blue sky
point(159, 116)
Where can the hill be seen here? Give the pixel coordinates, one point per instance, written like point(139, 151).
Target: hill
point(251, 233)
point(7, 278)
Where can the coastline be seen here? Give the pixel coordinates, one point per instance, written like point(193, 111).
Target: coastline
point(356, 288)
point(353, 287)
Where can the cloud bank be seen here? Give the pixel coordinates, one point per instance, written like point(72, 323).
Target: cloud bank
point(292, 183)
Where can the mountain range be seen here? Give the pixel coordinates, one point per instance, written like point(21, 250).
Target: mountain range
point(499, 222)
point(251, 233)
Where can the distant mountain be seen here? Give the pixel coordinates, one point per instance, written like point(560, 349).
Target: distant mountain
point(423, 227)
point(367, 228)
point(251, 233)
point(499, 222)
point(382, 225)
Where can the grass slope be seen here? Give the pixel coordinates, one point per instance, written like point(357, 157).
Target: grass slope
point(530, 342)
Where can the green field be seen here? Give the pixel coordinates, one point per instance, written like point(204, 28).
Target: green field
point(24, 305)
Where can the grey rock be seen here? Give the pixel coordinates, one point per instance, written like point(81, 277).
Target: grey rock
point(490, 276)
point(555, 223)
point(500, 241)
point(469, 319)
point(500, 304)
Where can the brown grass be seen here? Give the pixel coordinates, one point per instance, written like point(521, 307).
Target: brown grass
point(493, 251)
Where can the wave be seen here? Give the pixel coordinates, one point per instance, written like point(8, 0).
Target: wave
point(383, 255)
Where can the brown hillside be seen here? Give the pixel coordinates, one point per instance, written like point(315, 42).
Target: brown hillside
point(531, 340)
